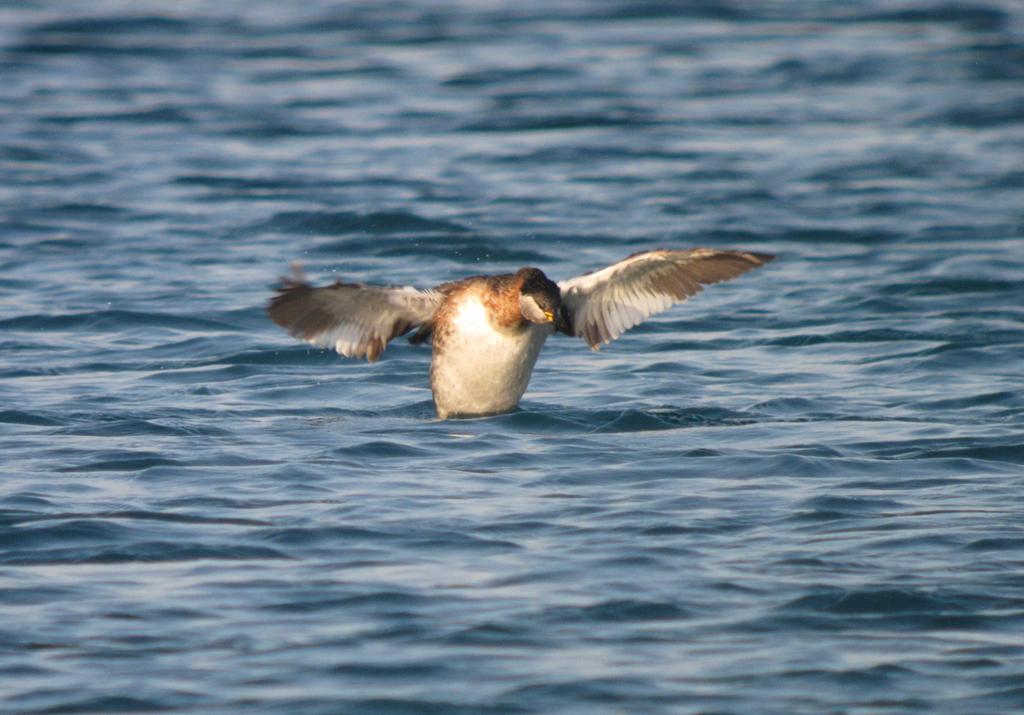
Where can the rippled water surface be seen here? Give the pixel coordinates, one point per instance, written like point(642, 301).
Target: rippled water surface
point(798, 493)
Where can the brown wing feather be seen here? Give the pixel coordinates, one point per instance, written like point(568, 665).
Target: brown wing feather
point(356, 320)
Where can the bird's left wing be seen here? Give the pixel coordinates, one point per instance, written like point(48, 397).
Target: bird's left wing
point(356, 320)
point(601, 306)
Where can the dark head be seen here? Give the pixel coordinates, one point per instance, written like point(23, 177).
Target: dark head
point(540, 300)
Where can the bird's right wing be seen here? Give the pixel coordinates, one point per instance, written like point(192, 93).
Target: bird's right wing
point(356, 320)
point(601, 306)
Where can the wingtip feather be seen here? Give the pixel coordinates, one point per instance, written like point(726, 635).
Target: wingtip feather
point(762, 258)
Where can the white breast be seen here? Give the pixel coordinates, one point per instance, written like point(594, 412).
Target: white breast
point(480, 370)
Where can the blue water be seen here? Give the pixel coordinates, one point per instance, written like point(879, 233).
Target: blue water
point(798, 493)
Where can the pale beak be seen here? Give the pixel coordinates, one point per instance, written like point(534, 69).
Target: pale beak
point(549, 316)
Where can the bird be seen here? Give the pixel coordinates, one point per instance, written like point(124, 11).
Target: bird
point(486, 331)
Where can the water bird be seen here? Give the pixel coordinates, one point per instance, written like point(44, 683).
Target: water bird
point(487, 331)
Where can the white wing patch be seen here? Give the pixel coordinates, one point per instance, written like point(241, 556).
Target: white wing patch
point(604, 304)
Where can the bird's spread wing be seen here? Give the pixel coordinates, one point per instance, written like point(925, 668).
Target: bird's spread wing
point(602, 305)
point(356, 320)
